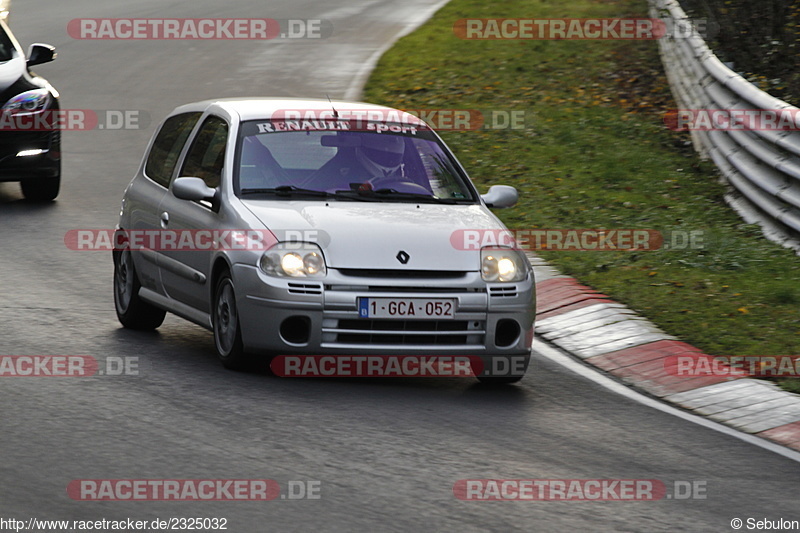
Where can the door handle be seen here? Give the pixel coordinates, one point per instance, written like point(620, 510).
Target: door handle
point(164, 220)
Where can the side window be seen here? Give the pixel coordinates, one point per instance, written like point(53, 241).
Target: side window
point(167, 147)
point(207, 153)
point(6, 48)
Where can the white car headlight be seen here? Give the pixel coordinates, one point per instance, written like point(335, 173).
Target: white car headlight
point(294, 259)
point(503, 264)
point(28, 102)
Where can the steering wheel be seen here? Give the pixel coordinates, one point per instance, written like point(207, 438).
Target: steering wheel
point(397, 184)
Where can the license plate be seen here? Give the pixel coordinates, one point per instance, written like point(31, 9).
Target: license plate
point(407, 308)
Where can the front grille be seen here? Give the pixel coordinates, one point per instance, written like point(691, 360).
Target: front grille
point(503, 291)
point(305, 288)
point(393, 288)
point(374, 288)
point(407, 332)
point(401, 273)
point(13, 142)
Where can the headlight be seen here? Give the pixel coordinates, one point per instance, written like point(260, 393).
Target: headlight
point(28, 102)
point(503, 264)
point(294, 259)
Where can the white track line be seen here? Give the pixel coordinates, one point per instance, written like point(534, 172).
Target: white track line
point(360, 79)
point(594, 375)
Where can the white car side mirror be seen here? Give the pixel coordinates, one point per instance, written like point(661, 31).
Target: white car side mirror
point(500, 196)
point(193, 189)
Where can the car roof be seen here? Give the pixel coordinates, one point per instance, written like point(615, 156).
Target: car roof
point(254, 108)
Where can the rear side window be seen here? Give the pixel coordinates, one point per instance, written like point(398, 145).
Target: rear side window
point(207, 154)
point(167, 147)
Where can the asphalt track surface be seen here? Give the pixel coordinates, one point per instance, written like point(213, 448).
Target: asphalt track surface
point(386, 452)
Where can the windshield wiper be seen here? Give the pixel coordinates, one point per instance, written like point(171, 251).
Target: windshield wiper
point(393, 194)
point(291, 190)
point(284, 190)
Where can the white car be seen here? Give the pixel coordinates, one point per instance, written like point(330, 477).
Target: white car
point(319, 227)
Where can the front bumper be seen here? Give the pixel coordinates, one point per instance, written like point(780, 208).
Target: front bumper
point(284, 316)
point(15, 167)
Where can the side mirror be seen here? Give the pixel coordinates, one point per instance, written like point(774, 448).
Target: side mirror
point(192, 189)
point(40, 53)
point(500, 196)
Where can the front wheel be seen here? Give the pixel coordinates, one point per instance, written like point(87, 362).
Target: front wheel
point(132, 311)
point(41, 189)
point(227, 332)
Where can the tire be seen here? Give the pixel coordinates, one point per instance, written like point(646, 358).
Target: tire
point(132, 311)
point(41, 189)
point(227, 330)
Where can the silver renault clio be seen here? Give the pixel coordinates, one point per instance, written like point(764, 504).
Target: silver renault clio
point(320, 227)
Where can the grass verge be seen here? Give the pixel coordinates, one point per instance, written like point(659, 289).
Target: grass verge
point(595, 154)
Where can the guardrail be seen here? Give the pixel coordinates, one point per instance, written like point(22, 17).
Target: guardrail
point(761, 166)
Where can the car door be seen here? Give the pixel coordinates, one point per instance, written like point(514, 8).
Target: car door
point(186, 268)
point(145, 194)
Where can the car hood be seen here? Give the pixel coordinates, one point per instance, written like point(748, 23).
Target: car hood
point(371, 235)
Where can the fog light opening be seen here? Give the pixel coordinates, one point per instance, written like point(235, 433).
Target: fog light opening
point(506, 333)
point(29, 153)
point(296, 330)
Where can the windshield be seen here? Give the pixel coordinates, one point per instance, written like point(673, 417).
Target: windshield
point(326, 159)
point(6, 48)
